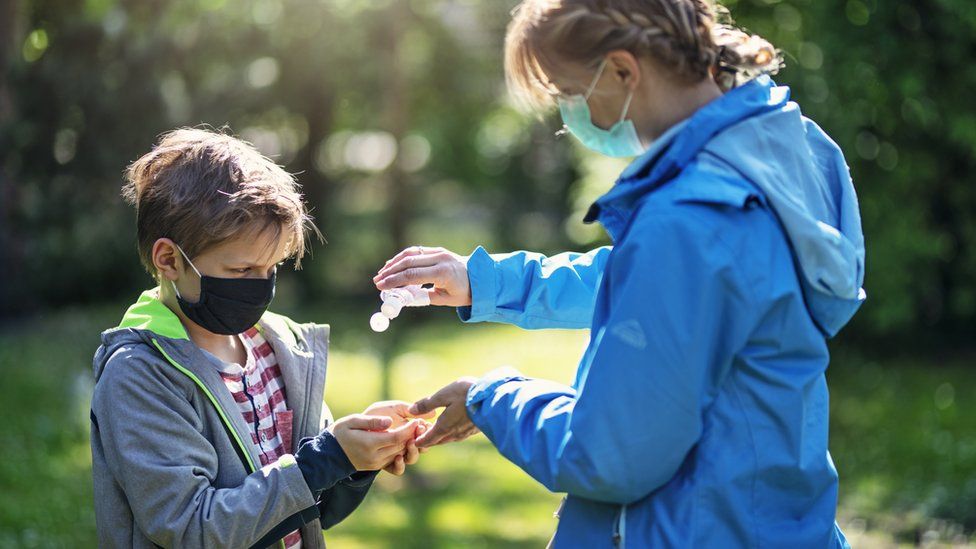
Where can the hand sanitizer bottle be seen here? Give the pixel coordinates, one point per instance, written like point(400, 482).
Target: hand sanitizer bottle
point(394, 301)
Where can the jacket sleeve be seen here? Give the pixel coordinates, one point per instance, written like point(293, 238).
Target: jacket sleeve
point(334, 505)
point(533, 291)
point(341, 500)
point(636, 410)
point(156, 449)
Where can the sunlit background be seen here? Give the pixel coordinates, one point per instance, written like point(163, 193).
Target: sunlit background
point(394, 116)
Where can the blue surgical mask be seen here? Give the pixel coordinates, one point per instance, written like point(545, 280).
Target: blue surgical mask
point(619, 141)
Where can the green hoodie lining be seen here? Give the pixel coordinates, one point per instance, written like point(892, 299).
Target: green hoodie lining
point(149, 313)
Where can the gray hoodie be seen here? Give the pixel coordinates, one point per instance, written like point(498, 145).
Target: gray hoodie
point(173, 462)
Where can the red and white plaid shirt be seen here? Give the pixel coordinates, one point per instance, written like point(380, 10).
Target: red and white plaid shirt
point(260, 395)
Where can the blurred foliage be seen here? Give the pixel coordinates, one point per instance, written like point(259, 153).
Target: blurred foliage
point(393, 114)
point(889, 82)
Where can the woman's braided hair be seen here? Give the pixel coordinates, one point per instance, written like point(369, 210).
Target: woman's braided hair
point(683, 35)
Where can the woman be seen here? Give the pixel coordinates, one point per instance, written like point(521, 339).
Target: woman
point(699, 413)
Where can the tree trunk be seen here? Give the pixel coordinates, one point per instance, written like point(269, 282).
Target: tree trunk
point(397, 122)
point(11, 257)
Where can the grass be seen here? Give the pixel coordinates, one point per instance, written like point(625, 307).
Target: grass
point(903, 438)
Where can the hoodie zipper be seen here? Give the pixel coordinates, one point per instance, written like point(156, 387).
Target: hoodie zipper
point(300, 346)
point(220, 412)
point(216, 405)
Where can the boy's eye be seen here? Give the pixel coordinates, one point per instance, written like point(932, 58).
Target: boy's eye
point(242, 271)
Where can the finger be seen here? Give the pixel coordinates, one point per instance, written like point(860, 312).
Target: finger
point(406, 252)
point(368, 423)
point(388, 454)
point(429, 441)
point(411, 412)
point(429, 404)
point(410, 262)
point(396, 467)
point(397, 438)
point(433, 437)
point(435, 275)
point(388, 408)
point(411, 454)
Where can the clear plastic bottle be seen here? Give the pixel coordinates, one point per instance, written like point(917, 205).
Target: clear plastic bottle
point(408, 296)
point(394, 301)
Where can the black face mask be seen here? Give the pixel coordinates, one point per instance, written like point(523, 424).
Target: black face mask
point(228, 306)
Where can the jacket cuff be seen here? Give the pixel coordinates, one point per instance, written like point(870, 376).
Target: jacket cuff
point(483, 278)
point(293, 479)
point(485, 387)
point(322, 462)
point(360, 479)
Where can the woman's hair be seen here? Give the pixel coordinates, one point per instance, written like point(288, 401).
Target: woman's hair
point(693, 38)
point(201, 188)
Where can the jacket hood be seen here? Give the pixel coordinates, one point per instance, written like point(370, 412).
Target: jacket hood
point(149, 318)
point(146, 317)
point(756, 131)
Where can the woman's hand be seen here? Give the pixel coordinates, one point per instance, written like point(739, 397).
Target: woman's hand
point(454, 424)
point(446, 270)
point(368, 443)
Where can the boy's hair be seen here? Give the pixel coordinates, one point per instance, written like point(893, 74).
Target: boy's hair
point(201, 188)
point(682, 35)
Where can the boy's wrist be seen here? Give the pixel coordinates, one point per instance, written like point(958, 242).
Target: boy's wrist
point(323, 462)
point(360, 479)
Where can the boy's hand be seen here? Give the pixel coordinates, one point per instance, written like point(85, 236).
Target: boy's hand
point(367, 442)
point(446, 270)
point(410, 454)
point(397, 410)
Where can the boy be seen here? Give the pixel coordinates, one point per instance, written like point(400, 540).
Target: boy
point(208, 425)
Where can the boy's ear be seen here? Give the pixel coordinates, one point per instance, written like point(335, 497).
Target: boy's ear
point(166, 258)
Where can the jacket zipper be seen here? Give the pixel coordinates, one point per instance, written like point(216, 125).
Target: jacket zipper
point(308, 394)
point(216, 405)
point(620, 528)
point(220, 412)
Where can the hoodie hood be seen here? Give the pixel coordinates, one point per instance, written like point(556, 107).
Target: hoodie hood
point(758, 133)
point(150, 321)
point(147, 317)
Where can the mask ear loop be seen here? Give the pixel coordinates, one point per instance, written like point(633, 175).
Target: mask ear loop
point(596, 79)
point(194, 267)
point(191, 265)
point(623, 114)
